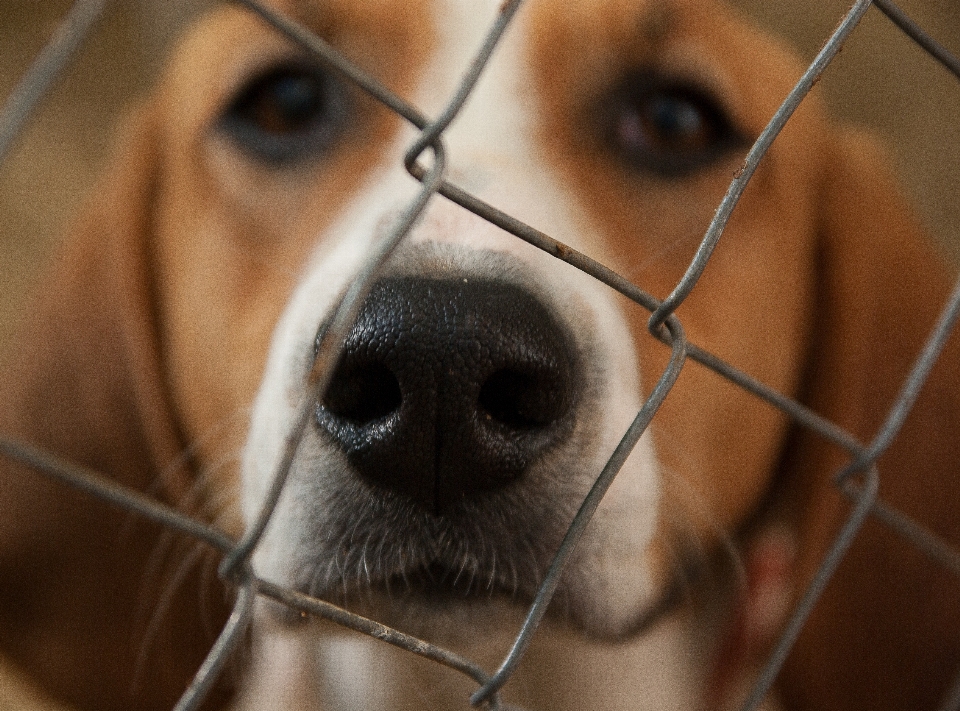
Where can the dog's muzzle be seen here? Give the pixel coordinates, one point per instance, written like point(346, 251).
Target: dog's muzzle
point(449, 387)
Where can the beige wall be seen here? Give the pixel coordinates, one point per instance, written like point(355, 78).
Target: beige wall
point(882, 79)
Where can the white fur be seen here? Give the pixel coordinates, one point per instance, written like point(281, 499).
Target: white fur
point(491, 151)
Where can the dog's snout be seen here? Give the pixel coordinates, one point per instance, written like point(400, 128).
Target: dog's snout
point(450, 387)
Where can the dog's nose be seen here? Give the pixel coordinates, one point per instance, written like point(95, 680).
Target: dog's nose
point(447, 388)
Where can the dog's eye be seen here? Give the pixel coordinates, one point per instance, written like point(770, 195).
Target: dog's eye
point(286, 114)
point(668, 128)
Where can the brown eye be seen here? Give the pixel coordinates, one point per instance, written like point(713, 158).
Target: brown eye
point(668, 128)
point(286, 114)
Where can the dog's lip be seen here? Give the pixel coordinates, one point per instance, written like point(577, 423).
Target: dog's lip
point(403, 599)
point(438, 581)
point(434, 582)
point(435, 586)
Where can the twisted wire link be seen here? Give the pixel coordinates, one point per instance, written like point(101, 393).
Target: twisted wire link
point(331, 339)
point(346, 311)
point(99, 486)
point(328, 350)
point(859, 480)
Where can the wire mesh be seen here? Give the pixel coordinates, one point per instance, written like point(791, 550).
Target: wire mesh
point(859, 480)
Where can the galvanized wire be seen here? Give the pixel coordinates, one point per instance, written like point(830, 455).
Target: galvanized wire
point(918, 35)
point(910, 390)
point(230, 636)
point(859, 480)
point(47, 66)
point(752, 161)
point(92, 483)
point(346, 311)
point(788, 637)
point(579, 524)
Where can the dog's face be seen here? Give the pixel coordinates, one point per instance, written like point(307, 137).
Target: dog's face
point(486, 383)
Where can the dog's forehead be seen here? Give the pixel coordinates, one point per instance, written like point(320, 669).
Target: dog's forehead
point(613, 18)
point(402, 36)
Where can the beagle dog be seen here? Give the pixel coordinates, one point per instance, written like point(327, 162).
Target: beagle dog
point(484, 383)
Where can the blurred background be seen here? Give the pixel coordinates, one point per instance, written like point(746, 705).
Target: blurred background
point(881, 79)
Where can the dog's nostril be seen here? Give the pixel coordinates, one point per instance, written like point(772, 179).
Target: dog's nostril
point(523, 400)
point(448, 388)
point(362, 393)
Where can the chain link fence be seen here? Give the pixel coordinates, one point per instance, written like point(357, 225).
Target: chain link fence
point(859, 480)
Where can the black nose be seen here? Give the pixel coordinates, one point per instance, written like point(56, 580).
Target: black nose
point(450, 387)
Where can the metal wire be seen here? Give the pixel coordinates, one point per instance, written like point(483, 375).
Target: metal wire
point(90, 482)
point(917, 34)
point(811, 595)
point(629, 440)
point(219, 655)
point(911, 387)
point(759, 149)
point(859, 480)
point(47, 66)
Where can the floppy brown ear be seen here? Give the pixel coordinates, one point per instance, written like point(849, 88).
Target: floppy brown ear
point(886, 633)
point(84, 380)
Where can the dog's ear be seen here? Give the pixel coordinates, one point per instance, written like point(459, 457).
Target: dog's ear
point(85, 381)
point(886, 634)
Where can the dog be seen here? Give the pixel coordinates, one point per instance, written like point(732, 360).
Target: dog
point(485, 383)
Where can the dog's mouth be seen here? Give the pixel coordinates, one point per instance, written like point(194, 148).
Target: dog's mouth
point(440, 582)
point(450, 395)
point(396, 563)
point(392, 549)
point(459, 434)
point(399, 597)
